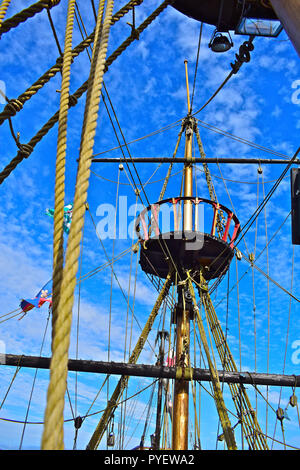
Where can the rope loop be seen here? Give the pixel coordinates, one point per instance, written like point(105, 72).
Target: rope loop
point(243, 55)
point(53, 3)
point(184, 373)
point(59, 61)
point(72, 100)
point(13, 106)
point(25, 150)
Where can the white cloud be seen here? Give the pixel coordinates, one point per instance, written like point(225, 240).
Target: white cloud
point(147, 88)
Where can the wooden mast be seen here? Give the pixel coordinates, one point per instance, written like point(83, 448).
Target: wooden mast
point(182, 314)
point(188, 168)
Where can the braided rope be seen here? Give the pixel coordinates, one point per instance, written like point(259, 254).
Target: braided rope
point(138, 31)
point(163, 190)
point(53, 430)
point(29, 12)
point(58, 253)
point(73, 98)
point(122, 384)
point(124, 10)
point(15, 105)
point(218, 395)
point(3, 8)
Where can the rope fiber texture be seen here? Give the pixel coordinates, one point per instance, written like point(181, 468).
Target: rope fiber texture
point(53, 429)
point(123, 382)
point(28, 148)
point(15, 105)
point(58, 250)
point(3, 8)
point(23, 15)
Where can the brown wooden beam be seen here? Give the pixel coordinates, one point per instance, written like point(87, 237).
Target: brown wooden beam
point(145, 370)
point(238, 160)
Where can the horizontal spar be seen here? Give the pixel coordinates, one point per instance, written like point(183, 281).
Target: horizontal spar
point(257, 161)
point(144, 370)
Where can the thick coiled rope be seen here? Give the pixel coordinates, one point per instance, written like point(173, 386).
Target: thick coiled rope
point(23, 15)
point(15, 105)
point(3, 8)
point(58, 252)
point(53, 430)
point(73, 98)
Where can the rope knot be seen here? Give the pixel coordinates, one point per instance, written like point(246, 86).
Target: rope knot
point(13, 107)
point(72, 100)
point(59, 61)
point(243, 55)
point(135, 34)
point(25, 150)
point(53, 3)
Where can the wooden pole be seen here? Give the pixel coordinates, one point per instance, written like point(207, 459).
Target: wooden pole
point(161, 337)
point(146, 370)
point(237, 160)
point(188, 167)
point(288, 12)
point(181, 387)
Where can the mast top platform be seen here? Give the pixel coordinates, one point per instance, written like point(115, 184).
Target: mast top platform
point(208, 246)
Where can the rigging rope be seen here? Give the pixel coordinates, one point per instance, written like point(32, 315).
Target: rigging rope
point(217, 130)
point(15, 105)
point(3, 8)
point(196, 67)
point(111, 279)
point(59, 193)
point(78, 319)
point(11, 382)
point(53, 430)
point(34, 380)
point(115, 275)
point(287, 336)
point(28, 148)
point(54, 32)
point(255, 439)
point(211, 189)
point(144, 184)
point(23, 15)
point(163, 190)
point(122, 384)
point(127, 320)
point(262, 251)
point(218, 396)
point(11, 316)
point(158, 131)
point(241, 57)
point(83, 417)
point(248, 224)
point(268, 290)
point(231, 180)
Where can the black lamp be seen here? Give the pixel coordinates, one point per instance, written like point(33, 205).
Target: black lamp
point(220, 43)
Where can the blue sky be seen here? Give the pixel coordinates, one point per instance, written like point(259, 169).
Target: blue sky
point(147, 88)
